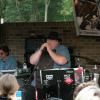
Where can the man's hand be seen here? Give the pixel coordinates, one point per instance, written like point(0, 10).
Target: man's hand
point(34, 58)
point(45, 45)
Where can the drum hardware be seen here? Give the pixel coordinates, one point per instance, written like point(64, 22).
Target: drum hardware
point(96, 74)
point(78, 62)
point(88, 76)
point(95, 69)
point(91, 75)
point(58, 85)
point(21, 70)
point(34, 74)
point(23, 76)
point(96, 77)
point(14, 72)
point(53, 98)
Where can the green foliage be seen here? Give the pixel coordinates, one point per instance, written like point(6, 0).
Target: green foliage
point(34, 10)
point(54, 14)
point(67, 10)
point(61, 11)
point(18, 11)
point(2, 7)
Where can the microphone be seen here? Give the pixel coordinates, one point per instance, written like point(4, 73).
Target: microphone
point(44, 49)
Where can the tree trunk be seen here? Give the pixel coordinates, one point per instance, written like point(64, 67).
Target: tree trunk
point(47, 2)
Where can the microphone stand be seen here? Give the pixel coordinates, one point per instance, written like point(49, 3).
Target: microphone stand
point(34, 74)
point(58, 84)
point(35, 81)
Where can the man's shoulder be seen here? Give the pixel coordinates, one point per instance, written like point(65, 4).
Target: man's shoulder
point(0, 60)
point(62, 47)
point(10, 57)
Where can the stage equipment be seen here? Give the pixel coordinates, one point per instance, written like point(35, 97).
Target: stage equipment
point(65, 76)
point(14, 72)
point(88, 75)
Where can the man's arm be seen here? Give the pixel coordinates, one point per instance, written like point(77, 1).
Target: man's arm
point(59, 59)
point(34, 58)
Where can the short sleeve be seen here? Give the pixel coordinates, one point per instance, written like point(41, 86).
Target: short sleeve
point(62, 50)
point(13, 63)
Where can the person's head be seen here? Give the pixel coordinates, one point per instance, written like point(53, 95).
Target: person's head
point(8, 85)
point(4, 51)
point(89, 93)
point(53, 39)
point(98, 80)
point(82, 86)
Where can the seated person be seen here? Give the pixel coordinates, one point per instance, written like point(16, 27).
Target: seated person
point(7, 62)
point(82, 86)
point(8, 87)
